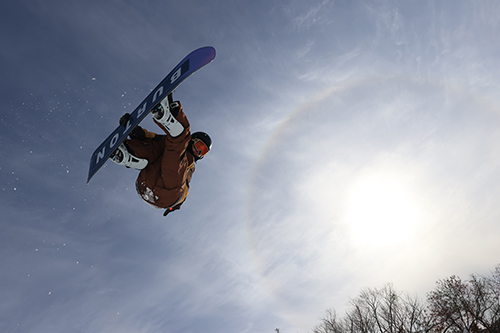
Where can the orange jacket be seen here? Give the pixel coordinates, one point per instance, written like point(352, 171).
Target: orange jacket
point(164, 182)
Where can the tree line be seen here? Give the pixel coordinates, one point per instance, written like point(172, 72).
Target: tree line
point(454, 306)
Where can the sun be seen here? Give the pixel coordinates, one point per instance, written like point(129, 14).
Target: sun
point(381, 210)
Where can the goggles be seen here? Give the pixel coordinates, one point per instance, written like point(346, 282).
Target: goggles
point(200, 148)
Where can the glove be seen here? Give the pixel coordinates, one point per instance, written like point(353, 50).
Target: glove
point(138, 133)
point(170, 210)
point(124, 119)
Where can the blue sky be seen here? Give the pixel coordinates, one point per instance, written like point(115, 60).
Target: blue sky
point(355, 144)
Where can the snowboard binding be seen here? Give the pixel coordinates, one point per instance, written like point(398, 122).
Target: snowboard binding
point(122, 156)
point(165, 114)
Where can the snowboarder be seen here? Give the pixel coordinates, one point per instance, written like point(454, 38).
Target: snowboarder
point(166, 162)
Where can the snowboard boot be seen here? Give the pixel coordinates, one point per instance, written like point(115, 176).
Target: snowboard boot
point(122, 156)
point(163, 115)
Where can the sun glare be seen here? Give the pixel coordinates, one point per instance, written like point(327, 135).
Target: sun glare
point(380, 211)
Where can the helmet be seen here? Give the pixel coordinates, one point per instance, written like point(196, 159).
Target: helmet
point(201, 143)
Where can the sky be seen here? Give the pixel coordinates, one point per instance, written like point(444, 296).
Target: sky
point(355, 143)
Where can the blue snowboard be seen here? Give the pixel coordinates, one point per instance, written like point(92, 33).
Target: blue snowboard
point(190, 64)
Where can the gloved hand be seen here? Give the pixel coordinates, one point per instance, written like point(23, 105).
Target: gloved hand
point(138, 133)
point(170, 210)
point(124, 119)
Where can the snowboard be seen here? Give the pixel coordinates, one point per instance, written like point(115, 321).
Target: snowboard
point(190, 64)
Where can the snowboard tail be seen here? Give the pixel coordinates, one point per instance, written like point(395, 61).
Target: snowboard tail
point(190, 64)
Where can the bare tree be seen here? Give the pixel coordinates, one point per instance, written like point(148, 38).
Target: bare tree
point(378, 311)
point(471, 306)
point(494, 286)
point(388, 311)
point(330, 324)
point(454, 306)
